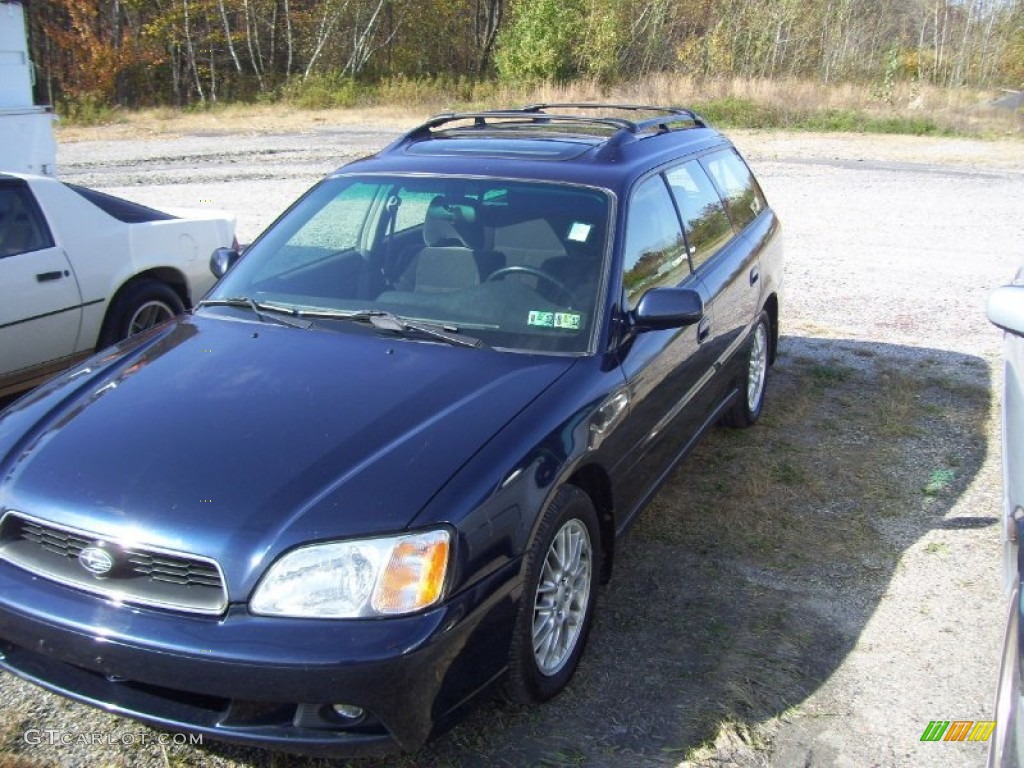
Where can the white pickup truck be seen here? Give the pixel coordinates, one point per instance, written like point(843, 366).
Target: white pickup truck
point(26, 130)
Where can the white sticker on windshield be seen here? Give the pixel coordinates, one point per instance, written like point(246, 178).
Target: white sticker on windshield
point(579, 232)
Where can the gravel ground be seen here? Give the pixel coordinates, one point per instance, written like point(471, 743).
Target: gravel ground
point(893, 244)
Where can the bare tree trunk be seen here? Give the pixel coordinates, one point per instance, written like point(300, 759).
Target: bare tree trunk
point(920, 43)
point(257, 63)
point(326, 28)
point(964, 62)
point(940, 43)
point(288, 31)
point(988, 61)
point(488, 19)
point(227, 36)
point(273, 39)
point(362, 48)
point(213, 76)
point(826, 61)
point(175, 74)
point(190, 53)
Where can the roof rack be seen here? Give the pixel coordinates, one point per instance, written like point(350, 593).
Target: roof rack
point(534, 115)
point(672, 115)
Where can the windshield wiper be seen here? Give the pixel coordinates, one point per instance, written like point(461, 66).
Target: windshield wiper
point(388, 321)
point(282, 315)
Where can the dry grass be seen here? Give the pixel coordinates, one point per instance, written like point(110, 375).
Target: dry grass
point(743, 102)
point(165, 122)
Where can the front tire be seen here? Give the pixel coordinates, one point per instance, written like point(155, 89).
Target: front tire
point(557, 605)
point(137, 308)
point(747, 408)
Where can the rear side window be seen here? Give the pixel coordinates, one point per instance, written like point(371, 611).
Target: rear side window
point(22, 228)
point(655, 252)
point(120, 209)
point(742, 195)
point(707, 224)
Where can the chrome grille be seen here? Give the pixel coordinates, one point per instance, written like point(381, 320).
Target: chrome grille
point(137, 574)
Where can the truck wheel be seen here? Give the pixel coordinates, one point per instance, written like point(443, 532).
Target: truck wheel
point(140, 306)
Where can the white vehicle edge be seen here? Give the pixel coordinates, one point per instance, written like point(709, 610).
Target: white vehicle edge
point(95, 278)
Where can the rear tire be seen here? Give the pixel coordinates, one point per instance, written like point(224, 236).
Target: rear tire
point(140, 306)
point(557, 605)
point(747, 408)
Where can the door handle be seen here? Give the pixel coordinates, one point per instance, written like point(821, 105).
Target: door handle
point(44, 277)
point(703, 329)
point(755, 275)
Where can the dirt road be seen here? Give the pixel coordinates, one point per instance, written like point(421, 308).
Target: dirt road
point(808, 593)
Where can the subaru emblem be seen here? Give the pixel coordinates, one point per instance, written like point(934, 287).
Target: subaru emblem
point(96, 560)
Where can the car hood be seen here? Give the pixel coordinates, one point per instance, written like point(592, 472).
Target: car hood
point(237, 440)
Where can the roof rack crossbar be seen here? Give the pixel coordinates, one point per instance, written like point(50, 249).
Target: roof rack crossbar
point(674, 114)
point(508, 117)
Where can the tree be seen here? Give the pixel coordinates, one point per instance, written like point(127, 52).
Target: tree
point(552, 40)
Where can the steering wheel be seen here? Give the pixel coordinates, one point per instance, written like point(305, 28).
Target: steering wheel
point(499, 274)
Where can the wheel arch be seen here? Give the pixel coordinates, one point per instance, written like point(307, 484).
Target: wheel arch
point(170, 276)
point(595, 482)
point(175, 278)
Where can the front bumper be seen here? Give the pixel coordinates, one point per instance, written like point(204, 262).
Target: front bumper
point(261, 681)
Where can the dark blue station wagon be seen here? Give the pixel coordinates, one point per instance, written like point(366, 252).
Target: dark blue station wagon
point(383, 465)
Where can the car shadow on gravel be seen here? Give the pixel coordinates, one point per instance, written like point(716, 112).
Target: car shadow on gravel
point(734, 597)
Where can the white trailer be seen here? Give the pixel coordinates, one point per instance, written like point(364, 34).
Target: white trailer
point(26, 130)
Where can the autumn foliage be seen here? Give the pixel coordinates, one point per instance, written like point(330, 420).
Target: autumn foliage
point(149, 52)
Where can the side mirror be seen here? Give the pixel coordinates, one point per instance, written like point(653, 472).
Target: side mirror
point(1006, 308)
point(662, 308)
point(222, 260)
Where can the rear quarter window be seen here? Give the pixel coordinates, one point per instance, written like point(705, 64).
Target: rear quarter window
point(120, 209)
point(704, 217)
point(743, 197)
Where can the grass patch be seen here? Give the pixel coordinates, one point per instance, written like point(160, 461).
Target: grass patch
point(841, 449)
point(938, 482)
point(89, 111)
point(829, 373)
point(938, 548)
point(852, 121)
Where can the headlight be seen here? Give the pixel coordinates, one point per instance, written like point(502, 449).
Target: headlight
point(349, 579)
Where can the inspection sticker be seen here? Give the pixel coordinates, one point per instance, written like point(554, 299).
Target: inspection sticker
point(543, 319)
point(579, 232)
point(567, 320)
point(570, 320)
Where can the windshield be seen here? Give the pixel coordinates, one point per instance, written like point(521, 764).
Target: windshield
point(515, 264)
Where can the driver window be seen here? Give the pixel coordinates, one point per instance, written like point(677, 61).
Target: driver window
point(655, 252)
